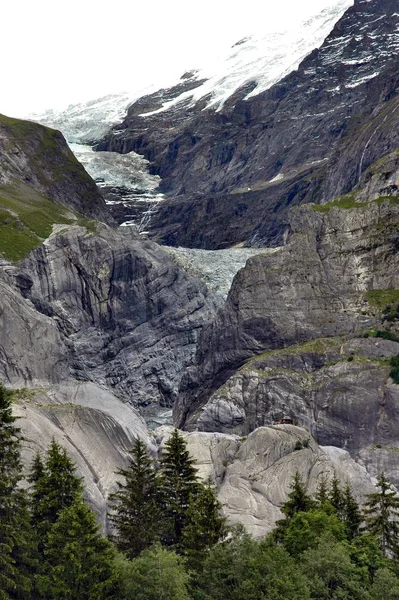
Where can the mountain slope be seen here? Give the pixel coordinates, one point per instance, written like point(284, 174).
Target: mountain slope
point(256, 157)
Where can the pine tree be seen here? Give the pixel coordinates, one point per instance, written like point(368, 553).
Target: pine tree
point(322, 497)
point(179, 483)
point(352, 517)
point(17, 545)
point(136, 505)
point(381, 517)
point(37, 470)
point(204, 526)
point(336, 496)
point(54, 487)
point(79, 561)
point(299, 500)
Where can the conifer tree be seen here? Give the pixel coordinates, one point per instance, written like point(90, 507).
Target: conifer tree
point(179, 483)
point(336, 496)
point(322, 496)
point(352, 517)
point(204, 526)
point(17, 547)
point(54, 487)
point(136, 505)
point(299, 500)
point(79, 561)
point(381, 514)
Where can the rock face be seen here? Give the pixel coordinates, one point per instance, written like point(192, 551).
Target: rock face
point(339, 391)
point(316, 286)
point(232, 174)
point(109, 308)
point(31, 348)
point(96, 429)
point(253, 475)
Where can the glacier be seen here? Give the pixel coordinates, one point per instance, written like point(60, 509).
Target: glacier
point(262, 60)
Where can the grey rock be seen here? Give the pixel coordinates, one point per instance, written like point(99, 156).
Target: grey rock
point(316, 286)
point(253, 474)
point(339, 391)
point(95, 428)
point(317, 130)
point(31, 348)
point(128, 317)
point(36, 161)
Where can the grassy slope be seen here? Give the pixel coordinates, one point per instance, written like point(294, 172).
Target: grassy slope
point(29, 199)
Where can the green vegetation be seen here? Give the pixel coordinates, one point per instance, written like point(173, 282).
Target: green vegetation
point(387, 335)
point(156, 573)
point(136, 505)
point(45, 172)
point(300, 444)
point(345, 202)
point(316, 346)
point(382, 299)
point(27, 219)
point(381, 517)
point(348, 202)
point(17, 551)
point(169, 505)
point(394, 362)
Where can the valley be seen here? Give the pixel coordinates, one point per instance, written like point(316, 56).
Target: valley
point(218, 256)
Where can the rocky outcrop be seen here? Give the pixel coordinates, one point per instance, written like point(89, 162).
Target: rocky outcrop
point(308, 138)
point(253, 474)
point(318, 285)
point(339, 391)
point(95, 428)
point(112, 309)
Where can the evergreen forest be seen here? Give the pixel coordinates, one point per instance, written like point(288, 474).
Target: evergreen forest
point(170, 541)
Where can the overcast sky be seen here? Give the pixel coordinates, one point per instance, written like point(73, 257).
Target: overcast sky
point(56, 53)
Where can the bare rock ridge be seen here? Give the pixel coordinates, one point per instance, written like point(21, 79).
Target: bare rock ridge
point(96, 428)
point(231, 175)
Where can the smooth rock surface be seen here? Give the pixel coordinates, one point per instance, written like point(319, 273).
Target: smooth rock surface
point(253, 474)
point(95, 428)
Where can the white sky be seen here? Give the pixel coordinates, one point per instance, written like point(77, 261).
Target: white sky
point(57, 53)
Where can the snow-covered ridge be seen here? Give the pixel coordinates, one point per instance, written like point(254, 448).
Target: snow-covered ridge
point(264, 60)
